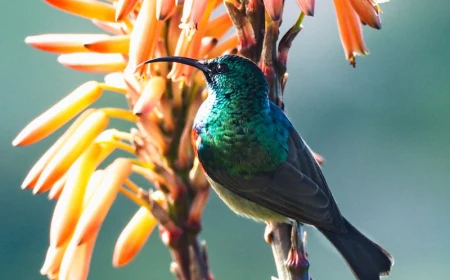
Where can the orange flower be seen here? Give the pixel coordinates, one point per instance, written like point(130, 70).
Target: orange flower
point(133, 237)
point(350, 14)
point(135, 31)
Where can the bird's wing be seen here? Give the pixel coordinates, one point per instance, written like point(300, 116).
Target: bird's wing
point(296, 189)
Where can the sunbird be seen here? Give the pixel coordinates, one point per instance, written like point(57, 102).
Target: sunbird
point(259, 165)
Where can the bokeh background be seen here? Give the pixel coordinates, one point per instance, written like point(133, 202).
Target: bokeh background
point(383, 127)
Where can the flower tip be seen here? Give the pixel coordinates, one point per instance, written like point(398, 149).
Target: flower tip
point(133, 237)
point(28, 183)
point(307, 6)
point(16, 141)
point(274, 8)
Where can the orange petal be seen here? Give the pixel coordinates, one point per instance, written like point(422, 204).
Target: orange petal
point(102, 199)
point(62, 43)
point(368, 12)
point(219, 26)
point(164, 9)
point(93, 184)
point(68, 208)
point(350, 30)
point(56, 190)
point(111, 44)
point(53, 259)
point(133, 237)
point(35, 172)
point(198, 11)
point(307, 6)
point(124, 8)
point(59, 114)
point(143, 38)
point(114, 28)
point(77, 259)
point(93, 62)
point(91, 127)
point(194, 43)
point(274, 8)
point(173, 32)
point(86, 8)
point(153, 91)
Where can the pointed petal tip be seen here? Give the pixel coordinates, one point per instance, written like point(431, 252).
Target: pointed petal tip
point(133, 237)
point(307, 6)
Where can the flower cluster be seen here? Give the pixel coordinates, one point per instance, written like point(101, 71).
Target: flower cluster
point(163, 100)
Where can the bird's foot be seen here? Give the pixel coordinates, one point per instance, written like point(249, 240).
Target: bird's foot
point(297, 261)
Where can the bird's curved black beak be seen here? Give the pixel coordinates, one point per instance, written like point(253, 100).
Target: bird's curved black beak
point(199, 64)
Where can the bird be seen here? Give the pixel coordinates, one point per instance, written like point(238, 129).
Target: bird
point(257, 163)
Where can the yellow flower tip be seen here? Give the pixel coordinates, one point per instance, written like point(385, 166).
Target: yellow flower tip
point(368, 12)
point(93, 62)
point(274, 8)
point(119, 113)
point(164, 9)
point(62, 43)
point(112, 44)
point(116, 81)
point(133, 237)
point(59, 114)
point(75, 145)
point(102, 200)
point(124, 8)
point(69, 206)
point(153, 91)
point(307, 6)
point(90, 9)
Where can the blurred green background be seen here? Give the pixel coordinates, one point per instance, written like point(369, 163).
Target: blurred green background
point(383, 128)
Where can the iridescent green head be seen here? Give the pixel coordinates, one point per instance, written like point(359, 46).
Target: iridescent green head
point(227, 76)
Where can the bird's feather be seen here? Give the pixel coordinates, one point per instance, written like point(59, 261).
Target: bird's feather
point(296, 188)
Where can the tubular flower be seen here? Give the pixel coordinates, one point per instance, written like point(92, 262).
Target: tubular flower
point(350, 15)
point(160, 109)
point(162, 100)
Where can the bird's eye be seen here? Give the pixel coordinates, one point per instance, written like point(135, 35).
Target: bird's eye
point(221, 68)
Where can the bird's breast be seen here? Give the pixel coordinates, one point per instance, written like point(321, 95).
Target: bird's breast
point(244, 207)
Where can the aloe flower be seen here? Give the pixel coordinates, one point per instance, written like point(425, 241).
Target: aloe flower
point(162, 100)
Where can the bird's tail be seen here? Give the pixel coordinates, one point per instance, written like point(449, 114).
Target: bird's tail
point(367, 260)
